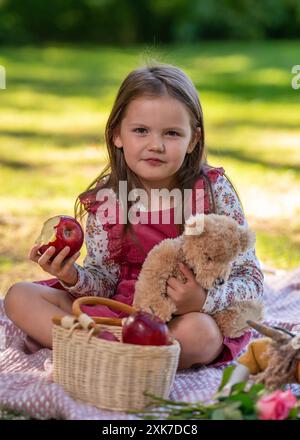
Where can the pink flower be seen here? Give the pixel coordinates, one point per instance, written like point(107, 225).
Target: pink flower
point(276, 406)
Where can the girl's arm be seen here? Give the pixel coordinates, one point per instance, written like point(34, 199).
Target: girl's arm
point(246, 279)
point(99, 274)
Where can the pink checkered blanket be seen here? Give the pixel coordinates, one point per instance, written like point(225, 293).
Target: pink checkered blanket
point(26, 383)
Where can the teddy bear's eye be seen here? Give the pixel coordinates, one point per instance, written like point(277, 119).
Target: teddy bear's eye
point(208, 257)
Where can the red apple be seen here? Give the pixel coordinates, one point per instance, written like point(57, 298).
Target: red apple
point(143, 328)
point(61, 231)
point(104, 334)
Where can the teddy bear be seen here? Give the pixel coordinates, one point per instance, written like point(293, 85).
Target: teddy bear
point(209, 245)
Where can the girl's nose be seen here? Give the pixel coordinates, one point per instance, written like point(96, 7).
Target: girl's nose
point(157, 145)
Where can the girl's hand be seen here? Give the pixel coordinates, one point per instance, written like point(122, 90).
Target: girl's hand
point(188, 296)
point(61, 267)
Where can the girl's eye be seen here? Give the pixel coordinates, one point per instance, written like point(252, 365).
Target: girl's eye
point(139, 130)
point(173, 133)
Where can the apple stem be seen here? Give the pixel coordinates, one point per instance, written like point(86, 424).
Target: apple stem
point(152, 311)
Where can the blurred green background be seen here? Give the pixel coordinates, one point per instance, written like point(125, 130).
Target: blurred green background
point(140, 21)
point(64, 61)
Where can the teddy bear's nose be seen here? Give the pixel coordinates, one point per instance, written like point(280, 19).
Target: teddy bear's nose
point(219, 281)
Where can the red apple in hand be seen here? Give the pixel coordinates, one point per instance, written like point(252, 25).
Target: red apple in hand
point(145, 329)
point(61, 231)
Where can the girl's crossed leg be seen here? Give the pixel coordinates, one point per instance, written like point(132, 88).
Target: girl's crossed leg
point(32, 306)
point(200, 338)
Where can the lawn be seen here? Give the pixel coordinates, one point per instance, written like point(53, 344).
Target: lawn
point(53, 113)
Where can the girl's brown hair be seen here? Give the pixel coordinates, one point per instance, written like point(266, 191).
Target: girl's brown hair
point(154, 79)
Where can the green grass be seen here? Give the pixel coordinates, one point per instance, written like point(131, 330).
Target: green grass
point(53, 113)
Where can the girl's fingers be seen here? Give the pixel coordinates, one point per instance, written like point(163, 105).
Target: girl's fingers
point(186, 271)
point(173, 282)
point(170, 291)
point(33, 253)
point(44, 259)
point(71, 261)
point(57, 262)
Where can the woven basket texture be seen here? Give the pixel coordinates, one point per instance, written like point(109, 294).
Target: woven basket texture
point(112, 375)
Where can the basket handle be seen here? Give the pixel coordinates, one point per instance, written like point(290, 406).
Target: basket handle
point(111, 303)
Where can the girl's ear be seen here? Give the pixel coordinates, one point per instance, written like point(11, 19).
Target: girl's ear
point(194, 140)
point(117, 138)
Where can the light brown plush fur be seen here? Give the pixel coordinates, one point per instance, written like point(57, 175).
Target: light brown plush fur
point(209, 245)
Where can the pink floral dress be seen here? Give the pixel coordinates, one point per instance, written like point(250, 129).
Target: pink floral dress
point(112, 264)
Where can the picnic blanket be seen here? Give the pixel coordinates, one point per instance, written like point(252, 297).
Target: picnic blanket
point(26, 383)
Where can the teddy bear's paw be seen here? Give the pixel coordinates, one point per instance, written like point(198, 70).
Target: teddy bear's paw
point(247, 239)
point(233, 320)
point(158, 313)
point(160, 306)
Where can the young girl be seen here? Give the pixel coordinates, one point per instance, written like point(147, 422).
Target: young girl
point(155, 140)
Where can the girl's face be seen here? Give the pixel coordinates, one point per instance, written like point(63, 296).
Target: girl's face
point(156, 128)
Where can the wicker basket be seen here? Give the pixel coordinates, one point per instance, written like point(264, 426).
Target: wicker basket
point(107, 374)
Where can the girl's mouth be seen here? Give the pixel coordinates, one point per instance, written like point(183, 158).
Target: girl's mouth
point(154, 162)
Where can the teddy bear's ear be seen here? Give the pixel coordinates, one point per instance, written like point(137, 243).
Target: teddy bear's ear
point(247, 238)
point(194, 225)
